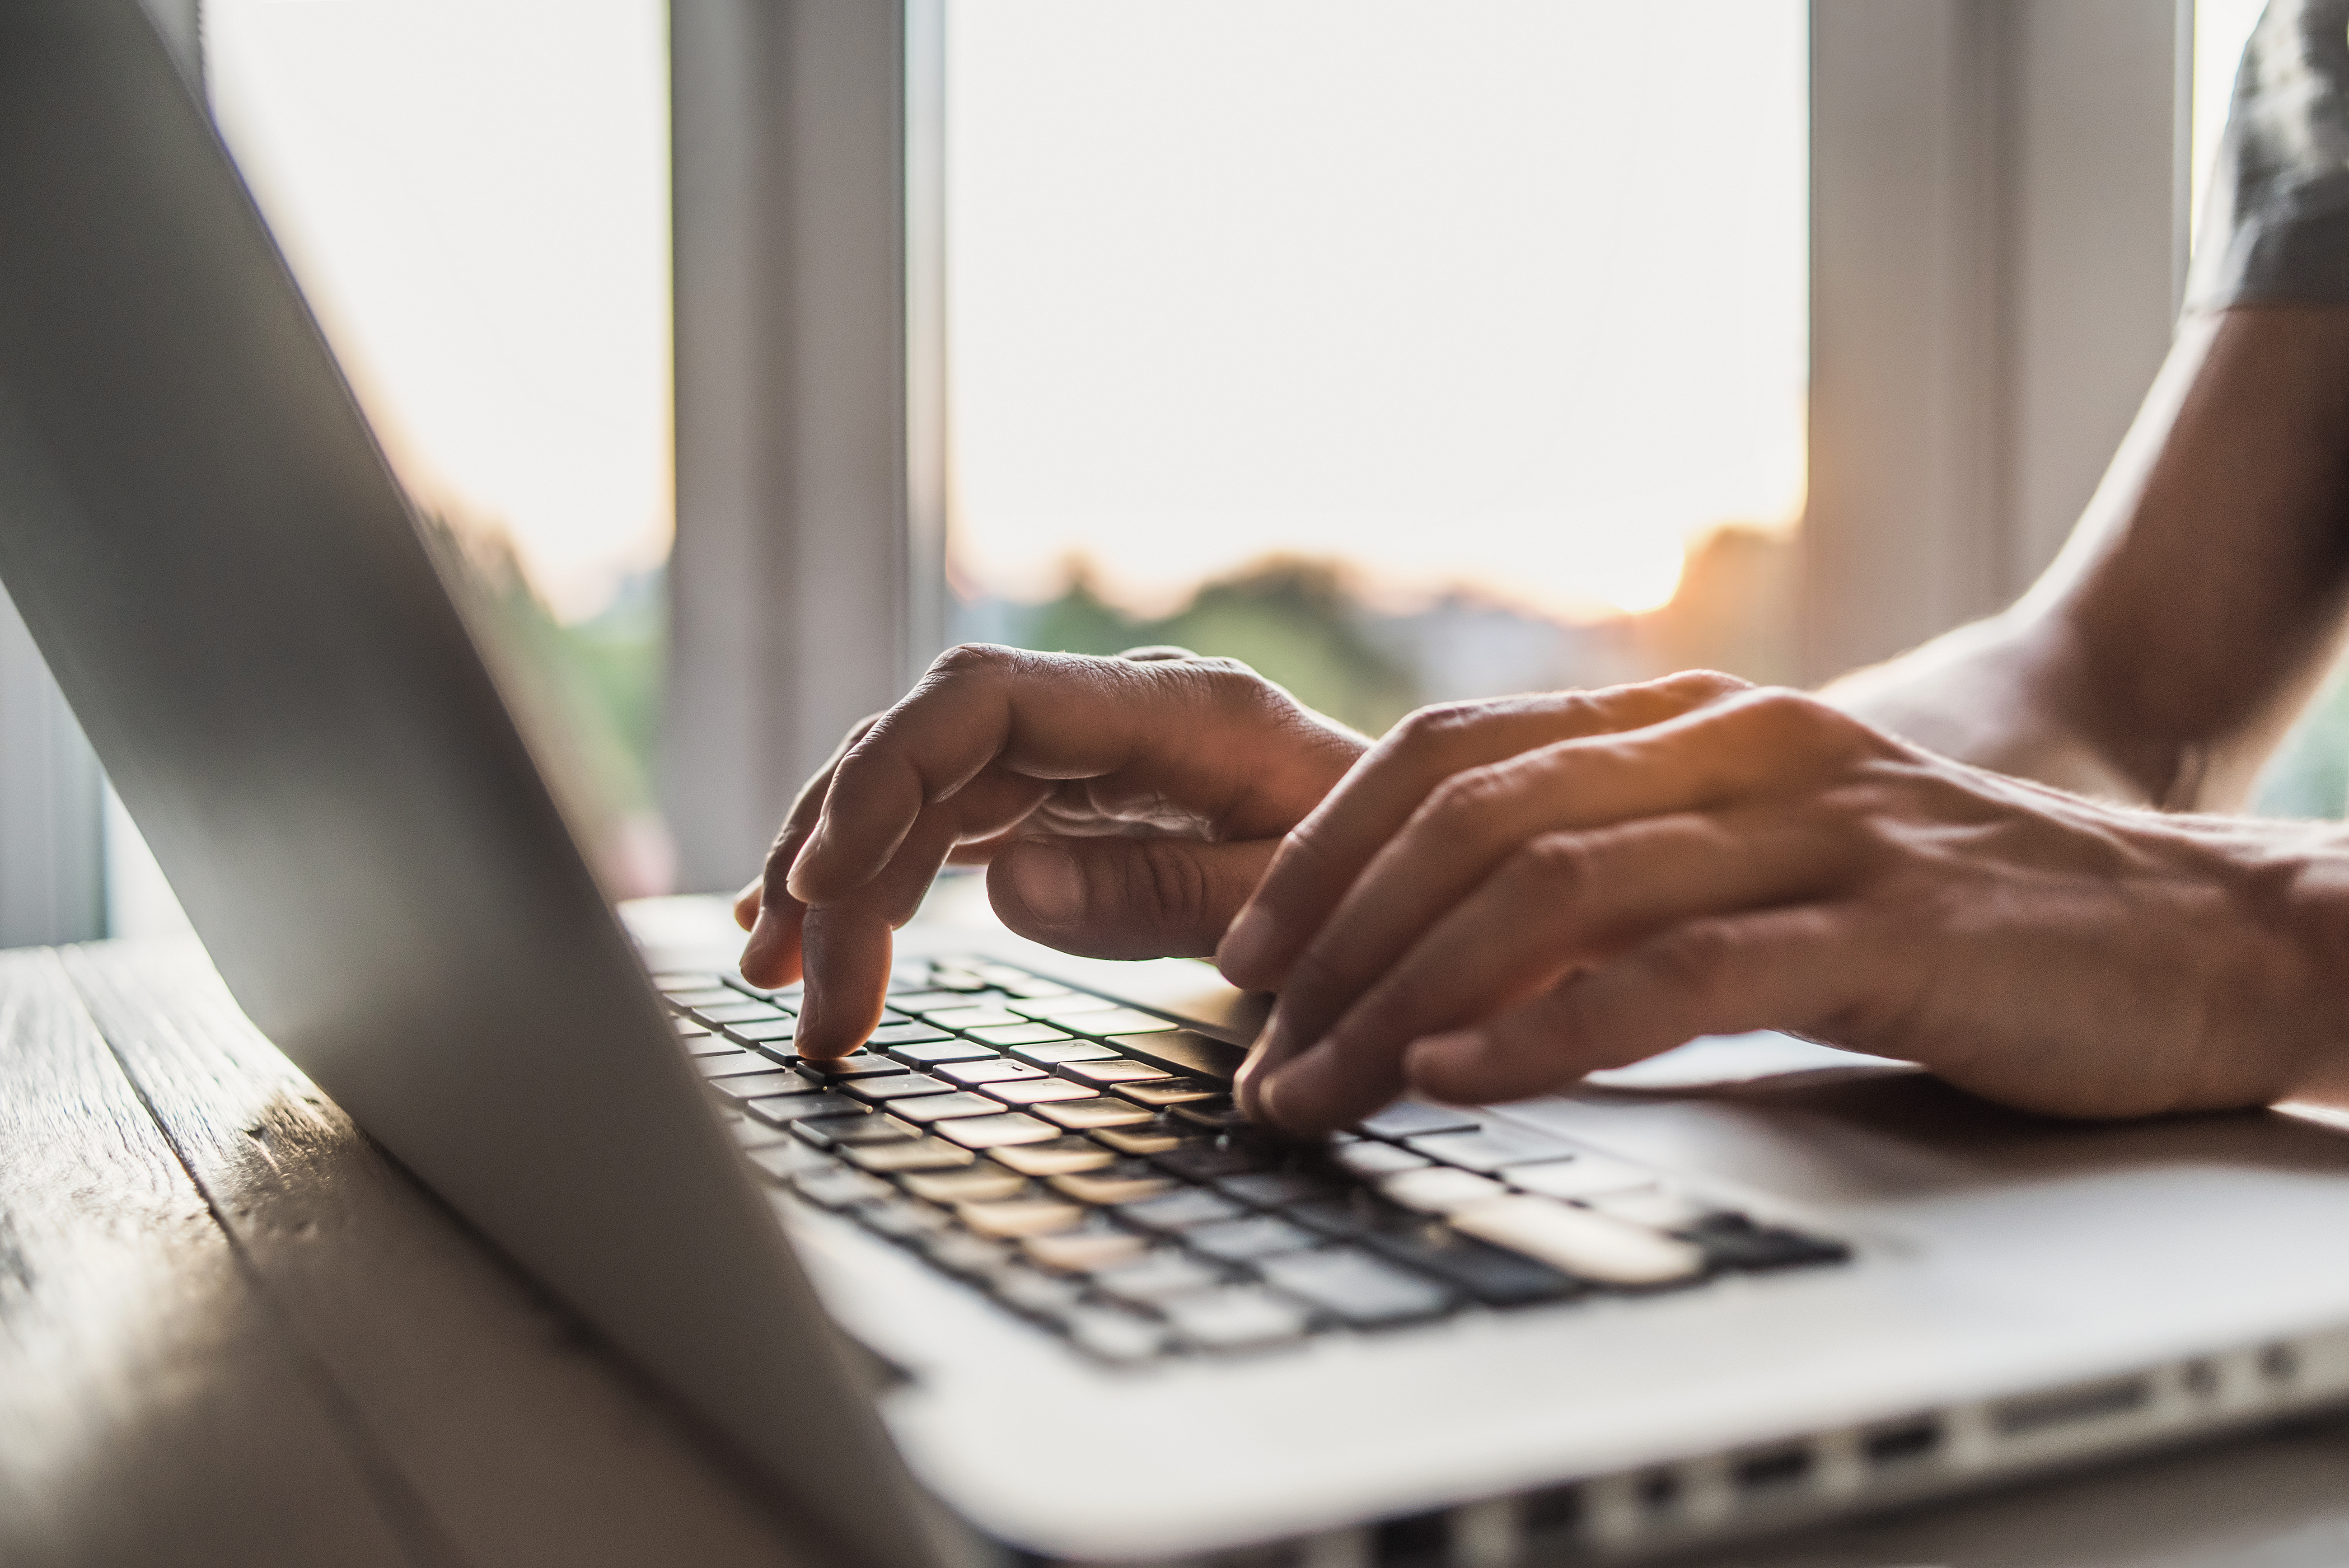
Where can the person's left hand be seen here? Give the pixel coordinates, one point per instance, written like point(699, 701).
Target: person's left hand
point(1503, 896)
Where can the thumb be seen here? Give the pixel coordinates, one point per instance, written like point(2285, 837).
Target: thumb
point(1125, 898)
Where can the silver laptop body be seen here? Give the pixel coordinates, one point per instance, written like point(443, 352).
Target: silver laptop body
point(203, 538)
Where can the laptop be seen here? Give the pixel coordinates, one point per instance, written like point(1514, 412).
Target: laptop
point(1013, 1285)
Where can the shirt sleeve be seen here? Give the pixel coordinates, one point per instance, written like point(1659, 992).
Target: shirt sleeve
point(2275, 219)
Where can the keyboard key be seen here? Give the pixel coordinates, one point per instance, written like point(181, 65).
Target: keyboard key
point(1038, 1091)
point(768, 1032)
point(1154, 1138)
point(1239, 1317)
point(686, 1029)
point(1357, 1289)
point(747, 1133)
point(899, 1086)
point(1083, 1115)
point(972, 1018)
point(963, 1254)
point(1155, 1276)
point(1279, 1188)
point(993, 1131)
point(1127, 1181)
point(1178, 1211)
point(1243, 1241)
point(889, 1034)
point(899, 1218)
point(839, 1189)
point(907, 1155)
point(1370, 1160)
point(1657, 1208)
point(713, 995)
point(1411, 1118)
point(978, 1184)
point(1489, 1149)
point(794, 1108)
point(1125, 1021)
point(1019, 1034)
point(1736, 1241)
point(1163, 1092)
point(786, 1159)
point(695, 980)
point(1494, 1275)
point(926, 1110)
point(1082, 1251)
point(1216, 1116)
point(922, 1000)
point(1115, 1070)
point(1052, 1053)
point(1207, 1159)
point(1119, 1338)
point(1440, 1190)
point(855, 1064)
point(1074, 1005)
point(740, 1011)
point(991, 1069)
point(1013, 1218)
point(1047, 1297)
point(708, 1045)
point(1185, 1051)
point(939, 1052)
point(841, 1133)
point(771, 1084)
point(719, 1065)
point(1591, 1245)
point(1584, 1176)
point(1061, 1156)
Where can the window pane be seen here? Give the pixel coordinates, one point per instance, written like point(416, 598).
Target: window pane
point(474, 194)
point(1409, 348)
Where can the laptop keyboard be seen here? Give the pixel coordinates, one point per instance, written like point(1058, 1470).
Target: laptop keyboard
point(1080, 1161)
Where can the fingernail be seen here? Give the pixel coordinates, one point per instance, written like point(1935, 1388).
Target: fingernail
point(1045, 879)
point(807, 852)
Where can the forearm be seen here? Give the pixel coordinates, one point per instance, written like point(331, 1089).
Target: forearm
point(2198, 603)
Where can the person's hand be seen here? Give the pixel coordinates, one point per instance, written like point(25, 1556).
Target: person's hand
point(1503, 896)
point(1127, 806)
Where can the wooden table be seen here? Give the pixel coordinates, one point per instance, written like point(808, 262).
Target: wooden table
point(233, 1330)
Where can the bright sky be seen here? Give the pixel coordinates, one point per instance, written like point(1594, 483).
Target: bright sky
point(1502, 292)
point(475, 195)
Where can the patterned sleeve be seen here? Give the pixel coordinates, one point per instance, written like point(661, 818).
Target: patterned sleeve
point(2275, 224)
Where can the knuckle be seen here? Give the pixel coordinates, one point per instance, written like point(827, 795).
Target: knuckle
point(1174, 881)
point(1695, 960)
point(1557, 864)
point(1705, 685)
point(1438, 725)
point(1464, 799)
point(968, 660)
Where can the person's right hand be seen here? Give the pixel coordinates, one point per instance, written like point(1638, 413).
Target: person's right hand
point(1126, 807)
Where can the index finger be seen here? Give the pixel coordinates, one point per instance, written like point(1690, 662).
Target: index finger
point(1325, 854)
point(1199, 729)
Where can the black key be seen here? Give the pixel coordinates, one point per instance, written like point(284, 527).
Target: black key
point(715, 996)
point(890, 1034)
point(899, 1218)
point(724, 1064)
point(1050, 1054)
point(894, 1086)
point(1735, 1241)
point(1494, 1275)
point(797, 1107)
point(705, 1043)
point(937, 1053)
point(785, 1160)
point(766, 1033)
point(896, 1156)
point(991, 1069)
point(838, 1188)
point(1160, 1092)
point(961, 1253)
point(781, 996)
point(1357, 1288)
point(1178, 1212)
point(1150, 1137)
point(1209, 1161)
point(752, 1086)
point(1489, 1149)
point(1211, 1116)
point(1245, 1240)
point(827, 1132)
point(855, 1064)
point(1411, 1118)
point(934, 1105)
point(1184, 1051)
point(1279, 1188)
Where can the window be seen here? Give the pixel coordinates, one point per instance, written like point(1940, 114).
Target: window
point(474, 194)
point(1407, 349)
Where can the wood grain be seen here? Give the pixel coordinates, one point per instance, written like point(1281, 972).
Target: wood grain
point(525, 1441)
point(152, 1408)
